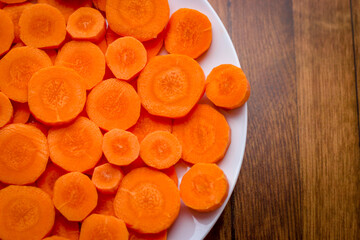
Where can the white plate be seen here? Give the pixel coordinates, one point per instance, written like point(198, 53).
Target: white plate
point(191, 225)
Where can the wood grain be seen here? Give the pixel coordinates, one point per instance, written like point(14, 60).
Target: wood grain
point(355, 18)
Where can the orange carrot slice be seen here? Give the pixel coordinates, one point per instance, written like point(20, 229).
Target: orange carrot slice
point(23, 154)
point(204, 187)
point(105, 205)
point(86, 24)
point(75, 196)
point(204, 135)
point(42, 26)
point(103, 45)
point(85, 58)
point(65, 228)
point(98, 226)
point(100, 4)
point(44, 129)
point(113, 104)
point(120, 147)
point(126, 57)
point(227, 86)
point(25, 213)
point(21, 112)
point(6, 32)
point(157, 236)
point(171, 85)
point(56, 238)
point(154, 46)
point(47, 180)
point(76, 147)
point(67, 7)
point(148, 201)
point(126, 19)
point(56, 95)
point(16, 69)
point(6, 110)
point(15, 11)
point(107, 178)
point(160, 149)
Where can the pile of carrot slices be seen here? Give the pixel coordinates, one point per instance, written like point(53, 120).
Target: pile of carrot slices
point(93, 122)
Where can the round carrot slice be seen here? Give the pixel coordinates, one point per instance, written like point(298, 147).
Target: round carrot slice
point(154, 46)
point(67, 7)
point(86, 23)
point(6, 32)
point(143, 19)
point(47, 180)
point(24, 154)
point(227, 86)
point(100, 4)
point(85, 58)
point(98, 226)
point(126, 57)
point(16, 69)
point(120, 147)
point(21, 112)
point(171, 85)
point(105, 205)
point(25, 213)
point(113, 104)
point(76, 147)
point(6, 110)
point(75, 196)
point(148, 201)
point(56, 95)
point(65, 228)
point(107, 178)
point(204, 135)
point(160, 149)
point(15, 11)
point(42, 26)
point(188, 33)
point(204, 187)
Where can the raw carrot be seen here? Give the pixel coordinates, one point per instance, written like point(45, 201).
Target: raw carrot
point(15, 11)
point(171, 172)
point(107, 178)
point(98, 226)
point(100, 4)
point(154, 46)
point(171, 85)
point(24, 154)
point(120, 147)
point(113, 104)
point(12, 1)
point(86, 23)
point(67, 7)
point(6, 32)
point(126, 57)
point(56, 95)
point(75, 196)
point(148, 201)
point(204, 187)
point(76, 147)
point(16, 69)
point(21, 112)
point(52, 53)
point(111, 36)
point(42, 26)
point(102, 45)
point(188, 33)
point(65, 228)
point(25, 213)
point(47, 180)
point(157, 236)
point(56, 238)
point(204, 135)
point(143, 20)
point(148, 123)
point(105, 204)
point(227, 86)
point(6, 110)
point(160, 149)
point(44, 129)
point(85, 58)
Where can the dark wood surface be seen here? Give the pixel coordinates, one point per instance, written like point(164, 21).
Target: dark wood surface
point(300, 178)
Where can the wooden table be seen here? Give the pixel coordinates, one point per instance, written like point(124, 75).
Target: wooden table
point(301, 173)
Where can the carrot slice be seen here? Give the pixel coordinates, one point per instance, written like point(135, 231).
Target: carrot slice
point(42, 26)
point(160, 150)
point(86, 23)
point(16, 69)
point(107, 178)
point(15, 11)
point(103, 45)
point(55, 238)
point(154, 46)
point(227, 86)
point(24, 154)
point(188, 33)
point(75, 196)
point(204, 187)
point(100, 4)
point(98, 226)
point(156, 236)
point(44, 129)
point(6, 32)
point(120, 147)
point(85, 58)
point(143, 20)
point(67, 7)
point(47, 180)
point(148, 123)
point(56, 95)
point(13, 1)
point(25, 213)
point(105, 204)
point(171, 172)
point(148, 201)
point(65, 228)
point(21, 112)
point(171, 85)
point(76, 147)
point(204, 135)
point(126, 57)
point(6, 110)
point(113, 104)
